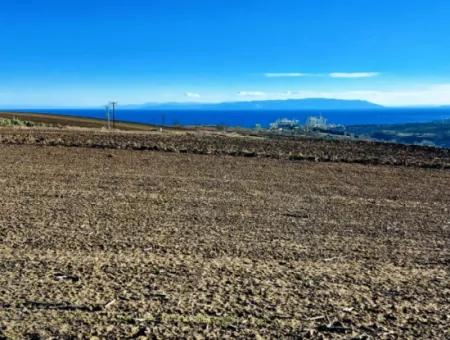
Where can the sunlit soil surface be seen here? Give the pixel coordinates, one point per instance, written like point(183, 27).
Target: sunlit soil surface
point(124, 243)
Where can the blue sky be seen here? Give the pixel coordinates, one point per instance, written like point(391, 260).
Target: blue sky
point(83, 53)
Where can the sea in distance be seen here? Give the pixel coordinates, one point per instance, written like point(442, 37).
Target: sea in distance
point(249, 119)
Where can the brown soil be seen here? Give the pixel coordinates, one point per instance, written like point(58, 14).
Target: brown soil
point(64, 121)
point(218, 143)
point(102, 242)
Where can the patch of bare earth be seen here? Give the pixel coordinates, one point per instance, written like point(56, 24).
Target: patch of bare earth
point(122, 243)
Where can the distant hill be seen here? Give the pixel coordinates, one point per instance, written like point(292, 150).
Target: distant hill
point(289, 104)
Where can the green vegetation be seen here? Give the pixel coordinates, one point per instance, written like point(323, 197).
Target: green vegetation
point(432, 134)
point(435, 133)
point(17, 122)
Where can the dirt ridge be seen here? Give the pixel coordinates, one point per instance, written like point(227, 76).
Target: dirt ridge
point(306, 149)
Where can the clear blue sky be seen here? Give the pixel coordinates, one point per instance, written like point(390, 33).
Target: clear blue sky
point(394, 52)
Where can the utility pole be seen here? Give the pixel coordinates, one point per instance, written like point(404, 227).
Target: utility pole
point(113, 104)
point(107, 117)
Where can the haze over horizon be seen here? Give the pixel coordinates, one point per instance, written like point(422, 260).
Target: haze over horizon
point(86, 53)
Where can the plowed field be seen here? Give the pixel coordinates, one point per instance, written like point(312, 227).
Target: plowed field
point(102, 242)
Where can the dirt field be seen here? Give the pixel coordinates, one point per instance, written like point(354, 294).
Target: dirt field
point(234, 144)
point(102, 242)
point(64, 121)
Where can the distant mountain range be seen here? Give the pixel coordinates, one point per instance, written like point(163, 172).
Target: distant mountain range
point(288, 104)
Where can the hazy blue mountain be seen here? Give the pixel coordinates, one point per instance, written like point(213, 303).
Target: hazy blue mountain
point(289, 104)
